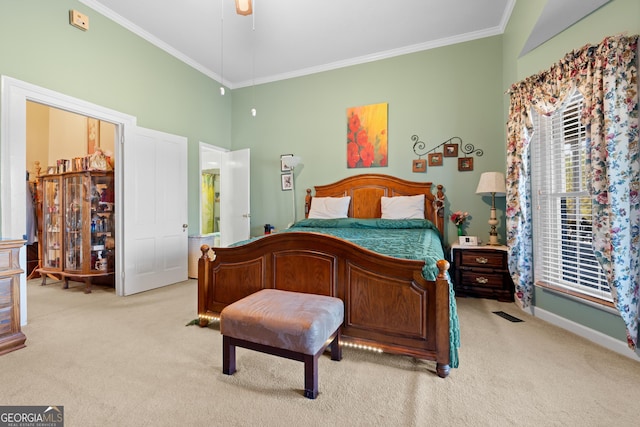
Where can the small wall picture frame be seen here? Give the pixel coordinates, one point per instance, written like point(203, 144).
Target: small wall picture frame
point(283, 167)
point(286, 181)
point(451, 150)
point(419, 165)
point(468, 240)
point(435, 159)
point(465, 164)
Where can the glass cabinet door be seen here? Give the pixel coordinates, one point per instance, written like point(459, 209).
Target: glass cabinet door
point(73, 243)
point(51, 223)
point(102, 222)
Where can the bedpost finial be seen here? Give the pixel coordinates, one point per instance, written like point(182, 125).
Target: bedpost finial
point(443, 266)
point(205, 250)
point(307, 202)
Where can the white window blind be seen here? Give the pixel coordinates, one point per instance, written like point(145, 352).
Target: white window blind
point(562, 218)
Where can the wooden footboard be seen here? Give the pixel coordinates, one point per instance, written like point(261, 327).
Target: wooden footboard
point(388, 304)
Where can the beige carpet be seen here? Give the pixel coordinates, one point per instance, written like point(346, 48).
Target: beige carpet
point(131, 361)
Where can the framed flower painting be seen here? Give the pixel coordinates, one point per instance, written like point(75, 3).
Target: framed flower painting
point(367, 136)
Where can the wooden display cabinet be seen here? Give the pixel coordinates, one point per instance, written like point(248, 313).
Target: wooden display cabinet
point(11, 336)
point(78, 226)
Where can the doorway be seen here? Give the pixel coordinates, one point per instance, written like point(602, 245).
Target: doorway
point(56, 138)
point(15, 95)
point(232, 208)
point(155, 164)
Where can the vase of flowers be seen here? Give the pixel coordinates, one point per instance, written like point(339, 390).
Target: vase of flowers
point(458, 218)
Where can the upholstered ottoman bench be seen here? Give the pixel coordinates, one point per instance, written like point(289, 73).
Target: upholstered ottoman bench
point(294, 325)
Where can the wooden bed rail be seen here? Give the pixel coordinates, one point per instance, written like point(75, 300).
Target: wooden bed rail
point(389, 305)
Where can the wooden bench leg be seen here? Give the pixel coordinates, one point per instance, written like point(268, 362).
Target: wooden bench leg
point(228, 356)
point(311, 366)
point(336, 349)
point(310, 361)
point(311, 375)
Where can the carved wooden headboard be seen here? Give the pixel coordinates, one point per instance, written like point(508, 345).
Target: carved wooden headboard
point(367, 189)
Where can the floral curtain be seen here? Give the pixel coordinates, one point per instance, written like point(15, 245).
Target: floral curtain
point(606, 75)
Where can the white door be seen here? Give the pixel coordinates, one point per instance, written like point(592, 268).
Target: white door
point(235, 211)
point(155, 219)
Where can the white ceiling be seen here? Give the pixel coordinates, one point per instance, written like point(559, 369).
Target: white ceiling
point(290, 38)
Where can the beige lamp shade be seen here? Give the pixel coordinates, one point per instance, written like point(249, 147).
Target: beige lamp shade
point(492, 183)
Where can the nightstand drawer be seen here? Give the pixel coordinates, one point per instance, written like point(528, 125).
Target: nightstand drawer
point(481, 279)
point(481, 258)
point(482, 272)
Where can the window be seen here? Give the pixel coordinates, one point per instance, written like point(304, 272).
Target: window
point(562, 218)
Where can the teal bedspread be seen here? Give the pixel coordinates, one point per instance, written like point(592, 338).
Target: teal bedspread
point(410, 239)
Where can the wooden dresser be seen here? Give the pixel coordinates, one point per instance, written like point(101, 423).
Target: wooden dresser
point(482, 271)
point(11, 337)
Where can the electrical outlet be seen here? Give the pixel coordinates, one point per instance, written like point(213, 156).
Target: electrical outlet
point(79, 20)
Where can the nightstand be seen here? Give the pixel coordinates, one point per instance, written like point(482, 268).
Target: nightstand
point(481, 271)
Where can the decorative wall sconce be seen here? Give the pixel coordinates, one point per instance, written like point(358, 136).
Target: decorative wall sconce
point(450, 149)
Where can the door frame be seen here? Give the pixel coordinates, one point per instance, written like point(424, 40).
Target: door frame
point(15, 94)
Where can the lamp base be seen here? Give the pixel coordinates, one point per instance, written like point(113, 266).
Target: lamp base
point(493, 240)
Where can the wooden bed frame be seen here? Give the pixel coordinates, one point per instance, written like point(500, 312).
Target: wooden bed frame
point(389, 305)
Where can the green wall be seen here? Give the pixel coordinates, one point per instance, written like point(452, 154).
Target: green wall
point(436, 94)
point(111, 67)
point(617, 16)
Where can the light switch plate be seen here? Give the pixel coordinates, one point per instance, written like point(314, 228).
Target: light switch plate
point(79, 20)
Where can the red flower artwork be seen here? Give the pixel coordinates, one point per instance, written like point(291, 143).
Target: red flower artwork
point(367, 136)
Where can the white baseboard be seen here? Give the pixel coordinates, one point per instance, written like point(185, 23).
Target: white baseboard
point(597, 337)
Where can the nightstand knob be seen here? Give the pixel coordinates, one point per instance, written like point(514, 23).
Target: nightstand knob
point(481, 260)
point(482, 280)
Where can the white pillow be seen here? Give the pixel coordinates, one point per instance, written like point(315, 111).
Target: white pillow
point(329, 207)
point(403, 207)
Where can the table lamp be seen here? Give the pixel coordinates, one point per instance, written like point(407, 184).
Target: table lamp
point(492, 183)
